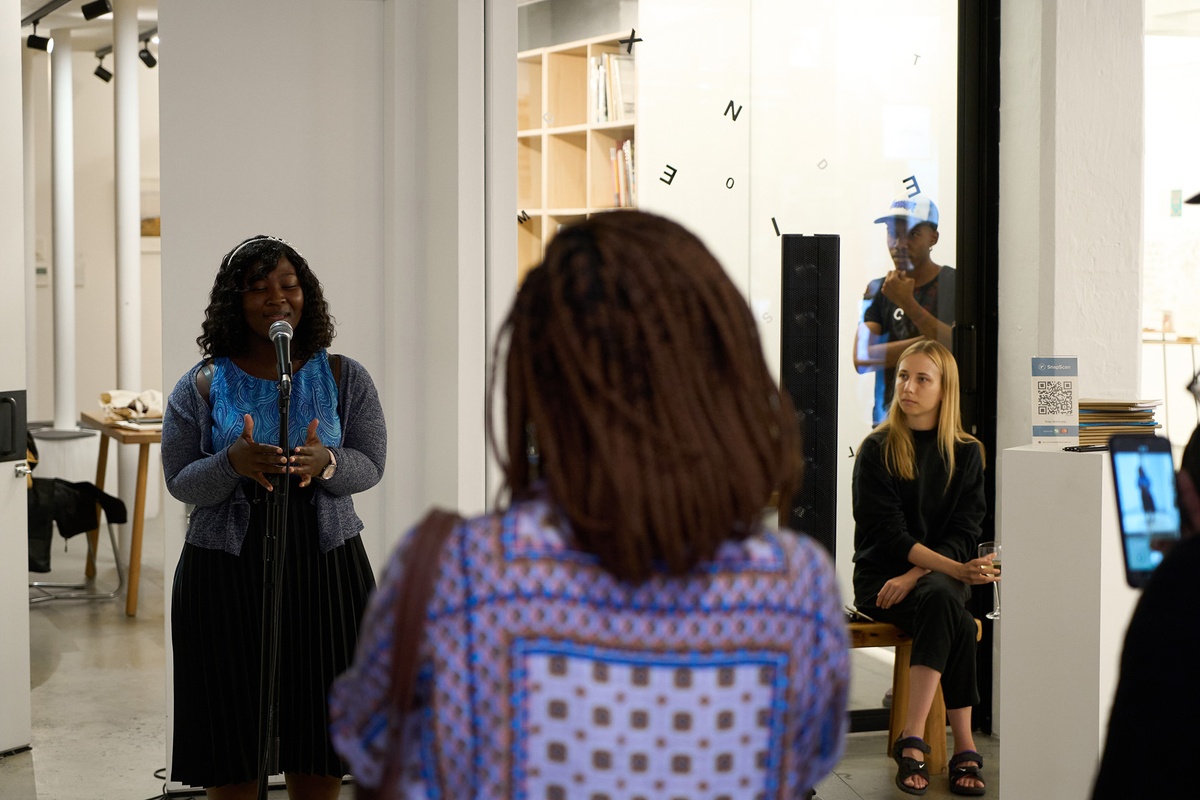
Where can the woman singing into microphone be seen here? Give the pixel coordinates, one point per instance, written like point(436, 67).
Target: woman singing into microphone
point(220, 453)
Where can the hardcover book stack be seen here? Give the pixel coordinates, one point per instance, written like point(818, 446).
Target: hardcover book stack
point(1100, 419)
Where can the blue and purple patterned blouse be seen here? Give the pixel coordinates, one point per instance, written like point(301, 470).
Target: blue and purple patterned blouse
point(544, 677)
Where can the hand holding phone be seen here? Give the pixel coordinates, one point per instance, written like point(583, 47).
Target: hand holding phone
point(1147, 504)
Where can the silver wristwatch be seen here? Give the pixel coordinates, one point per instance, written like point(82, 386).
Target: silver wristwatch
point(330, 468)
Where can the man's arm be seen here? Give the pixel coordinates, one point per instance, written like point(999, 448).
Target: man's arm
point(863, 361)
point(898, 288)
point(870, 353)
point(930, 326)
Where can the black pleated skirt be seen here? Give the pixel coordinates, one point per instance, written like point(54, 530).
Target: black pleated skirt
point(216, 633)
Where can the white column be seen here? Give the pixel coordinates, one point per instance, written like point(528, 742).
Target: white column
point(126, 139)
point(63, 169)
point(34, 70)
point(1070, 199)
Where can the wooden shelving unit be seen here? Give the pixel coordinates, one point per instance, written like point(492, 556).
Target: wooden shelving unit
point(565, 141)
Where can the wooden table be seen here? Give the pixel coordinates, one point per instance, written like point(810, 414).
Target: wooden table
point(143, 439)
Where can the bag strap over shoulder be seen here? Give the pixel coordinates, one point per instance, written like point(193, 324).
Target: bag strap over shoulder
point(204, 379)
point(418, 578)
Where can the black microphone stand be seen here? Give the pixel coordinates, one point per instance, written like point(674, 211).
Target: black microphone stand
point(274, 547)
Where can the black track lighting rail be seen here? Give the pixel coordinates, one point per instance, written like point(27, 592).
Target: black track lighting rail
point(143, 37)
point(53, 5)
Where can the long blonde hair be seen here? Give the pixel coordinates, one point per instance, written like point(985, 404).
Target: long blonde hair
point(898, 454)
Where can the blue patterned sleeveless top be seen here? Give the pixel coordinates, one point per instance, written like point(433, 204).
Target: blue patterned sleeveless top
point(233, 393)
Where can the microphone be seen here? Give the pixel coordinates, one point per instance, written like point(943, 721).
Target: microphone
point(281, 334)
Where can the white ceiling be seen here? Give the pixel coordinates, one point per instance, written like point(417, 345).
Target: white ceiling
point(85, 36)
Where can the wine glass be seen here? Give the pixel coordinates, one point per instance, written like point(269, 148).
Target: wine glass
point(987, 549)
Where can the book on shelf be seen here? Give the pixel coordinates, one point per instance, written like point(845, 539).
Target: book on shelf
point(1101, 419)
point(623, 80)
point(1090, 415)
point(630, 181)
point(615, 163)
point(1093, 404)
point(609, 89)
point(620, 157)
point(614, 87)
point(1101, 434)
point(599, 81)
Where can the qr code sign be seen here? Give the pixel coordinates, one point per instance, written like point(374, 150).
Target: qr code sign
point(1055, 398)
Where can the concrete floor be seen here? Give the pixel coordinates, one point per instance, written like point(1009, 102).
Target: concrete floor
point(99, 718)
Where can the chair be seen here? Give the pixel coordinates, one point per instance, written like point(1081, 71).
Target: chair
point(881, 634)
point(75, 508)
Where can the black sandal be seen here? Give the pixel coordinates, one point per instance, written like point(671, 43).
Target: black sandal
point(908, 767)
point(958, 772)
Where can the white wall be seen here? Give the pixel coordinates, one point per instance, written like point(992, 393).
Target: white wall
point(261, 132)
point(1070, 199)
point(1070, 203)
point(356, 132)
point(450, 186)
point(14, 603)
point(1172, 247)
point(1171, 278)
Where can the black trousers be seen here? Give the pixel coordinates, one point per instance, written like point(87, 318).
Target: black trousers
point(943, 630)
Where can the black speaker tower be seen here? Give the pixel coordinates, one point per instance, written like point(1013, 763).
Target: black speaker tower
point(809, 373)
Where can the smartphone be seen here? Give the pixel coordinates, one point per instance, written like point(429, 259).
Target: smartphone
point(1147, 504)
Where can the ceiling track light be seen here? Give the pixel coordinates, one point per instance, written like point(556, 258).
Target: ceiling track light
point(102, 73)
point(146, 56)
point(96, 8)
point(35, 42)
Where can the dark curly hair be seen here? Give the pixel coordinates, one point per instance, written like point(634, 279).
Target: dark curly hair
point(225, 332)
point(635, 381)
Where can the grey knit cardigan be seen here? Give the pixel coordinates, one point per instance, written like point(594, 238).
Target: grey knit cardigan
point(196, 475)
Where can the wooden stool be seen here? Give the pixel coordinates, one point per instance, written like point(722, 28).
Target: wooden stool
point(881, 634)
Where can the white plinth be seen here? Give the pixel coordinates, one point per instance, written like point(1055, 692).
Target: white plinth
point(1066, 606)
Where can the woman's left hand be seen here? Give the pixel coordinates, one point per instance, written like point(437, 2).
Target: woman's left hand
point(310, 458)
point(897, 589)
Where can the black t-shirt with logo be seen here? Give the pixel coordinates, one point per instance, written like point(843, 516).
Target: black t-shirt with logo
point(937, 297)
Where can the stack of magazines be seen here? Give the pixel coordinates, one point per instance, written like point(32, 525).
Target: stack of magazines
point(1100, 419)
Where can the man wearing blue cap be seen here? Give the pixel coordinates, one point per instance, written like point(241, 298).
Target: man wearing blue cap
point(917, 297)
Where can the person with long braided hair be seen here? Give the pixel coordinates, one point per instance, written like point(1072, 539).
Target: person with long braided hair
point(623, 624)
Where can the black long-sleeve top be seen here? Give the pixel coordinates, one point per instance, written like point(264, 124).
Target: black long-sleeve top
point(892, 514)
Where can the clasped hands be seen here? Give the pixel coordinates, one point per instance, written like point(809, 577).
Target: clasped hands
point(256, 460)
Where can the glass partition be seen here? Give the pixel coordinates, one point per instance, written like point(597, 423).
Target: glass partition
point(748, 121)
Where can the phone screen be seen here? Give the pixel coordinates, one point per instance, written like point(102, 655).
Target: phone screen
point(1144, 476)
